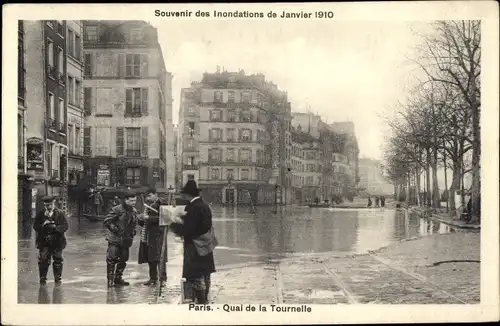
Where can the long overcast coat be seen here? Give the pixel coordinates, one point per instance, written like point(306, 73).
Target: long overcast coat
point(196, 222)
point(153, 250)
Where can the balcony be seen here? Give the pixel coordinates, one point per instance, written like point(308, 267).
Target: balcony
point(133, 153)
point(187, 167)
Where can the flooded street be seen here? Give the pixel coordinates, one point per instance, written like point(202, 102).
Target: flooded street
point(244, 238)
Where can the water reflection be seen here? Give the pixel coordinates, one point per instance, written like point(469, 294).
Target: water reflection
point(44, 297)
point(267, 235)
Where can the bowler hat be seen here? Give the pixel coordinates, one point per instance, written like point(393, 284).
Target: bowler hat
point(190, 188)
point(48, 199)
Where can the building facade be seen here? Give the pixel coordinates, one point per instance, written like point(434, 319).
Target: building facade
point(44, 68)
point(372, 181)
point(232, 138)
point(127, 106)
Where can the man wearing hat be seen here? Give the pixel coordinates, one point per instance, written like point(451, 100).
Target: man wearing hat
point(50, 225)
point(150, 249)
point(199, 242)
point(120, 224)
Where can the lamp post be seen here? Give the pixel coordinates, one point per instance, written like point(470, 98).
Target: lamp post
point(171, 199)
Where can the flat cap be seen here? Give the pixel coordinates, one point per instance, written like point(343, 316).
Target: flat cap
point(47, 199)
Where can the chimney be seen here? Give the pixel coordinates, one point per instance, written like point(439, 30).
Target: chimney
point(218, 69)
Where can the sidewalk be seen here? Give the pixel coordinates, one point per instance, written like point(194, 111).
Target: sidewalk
point(432, 270)
point(444, 218)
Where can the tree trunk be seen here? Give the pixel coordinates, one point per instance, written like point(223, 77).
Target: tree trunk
point(455, 184)
point(418, 186)
point(408, 186)
point(476, 160)
point(447, 190)
point(428, 178)
point(436, 202)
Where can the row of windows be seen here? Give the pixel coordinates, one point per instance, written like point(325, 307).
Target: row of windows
point(136, 101)
point(136, 65)
point(229, 174)
point(233, 134)
point(130, 142)
point(245, 115)
point(234, 155)
point(91, 34)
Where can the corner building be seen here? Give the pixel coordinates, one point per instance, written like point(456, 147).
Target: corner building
point(227, 140)
point(127, 106)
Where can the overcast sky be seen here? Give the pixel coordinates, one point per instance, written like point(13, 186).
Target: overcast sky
point(343, 70)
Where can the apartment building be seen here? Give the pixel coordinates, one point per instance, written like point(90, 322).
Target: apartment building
point(127, 106)
point(231, 137)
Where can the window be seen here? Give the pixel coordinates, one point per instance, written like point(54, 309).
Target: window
point(215, 115)
point(245, 115)
point(215, 155)
point(190, 143)
point(245, 156)
point(60, 59)
point(87, 100)
point(230, 155)
point(60, 27)
point(191, 127)
point(136, 65)
point(230, 97)
point(245, 174)
point(71, 139)
point(215, 174)
point(133, 141)
point(259, 156)
point(77, 140)
point(88, 65)
point(52, 107)
point(190, 177)
point(215, 135)
point(133, 176)
point(78, 47)
point(190, 110)
point(229, 174)
point(71, 91)
point(90, 33)
point(86, 141)
point(246, 135)
point(61, 110)
point(71, 43)
point(78, 92)
point(50, 53)
point(245, 97)
point(231, 116)
point(190, 161)
point(136, 101)
point(231, 135)
point(136, 35)
point(218, 97)
point(49, 23)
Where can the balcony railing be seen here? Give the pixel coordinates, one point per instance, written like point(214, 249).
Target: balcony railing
point(190, 167)
point(133, 153)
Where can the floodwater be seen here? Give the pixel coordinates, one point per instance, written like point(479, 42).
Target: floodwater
point(245, 237)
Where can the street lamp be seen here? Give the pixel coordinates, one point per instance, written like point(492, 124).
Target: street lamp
point(171, 199)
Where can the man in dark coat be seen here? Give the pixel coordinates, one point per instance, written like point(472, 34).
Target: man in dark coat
point(150, 249)
point(120, 224)
point(196, 221)
point(50, 225)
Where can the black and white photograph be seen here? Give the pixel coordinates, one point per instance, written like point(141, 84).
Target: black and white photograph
point(236, 159)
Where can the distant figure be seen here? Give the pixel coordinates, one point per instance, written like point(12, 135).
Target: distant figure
point(369, 202)
point(382, 201)
point(377, 202)
point(316, 200)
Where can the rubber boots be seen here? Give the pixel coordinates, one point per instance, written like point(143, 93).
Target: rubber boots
point(111, 275)
point(120, 267)
point(57, 269)
point(43, 269)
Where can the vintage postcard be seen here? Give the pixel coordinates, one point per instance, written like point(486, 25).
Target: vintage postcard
point(274, 163)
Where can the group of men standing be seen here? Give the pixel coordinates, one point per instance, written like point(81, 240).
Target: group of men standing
point(194, 225)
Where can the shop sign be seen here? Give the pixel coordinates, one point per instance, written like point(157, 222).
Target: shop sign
point(34, 149)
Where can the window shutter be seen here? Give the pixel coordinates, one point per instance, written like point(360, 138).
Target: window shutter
point(87, 101)
point(144, 65)
point(121, 65)
point(144, 151)
point(128, 101)
point(144, 101)
point(87, 151)
point(119, 141)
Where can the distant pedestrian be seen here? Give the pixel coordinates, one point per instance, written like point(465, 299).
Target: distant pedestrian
point(199, 242)
point(369, 202)
point(120, 224)
point(150, 249)
point(382, 201)
point(50, 225)
point(377, 201)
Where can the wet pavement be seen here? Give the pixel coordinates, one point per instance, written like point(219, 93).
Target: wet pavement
point(298, 255)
